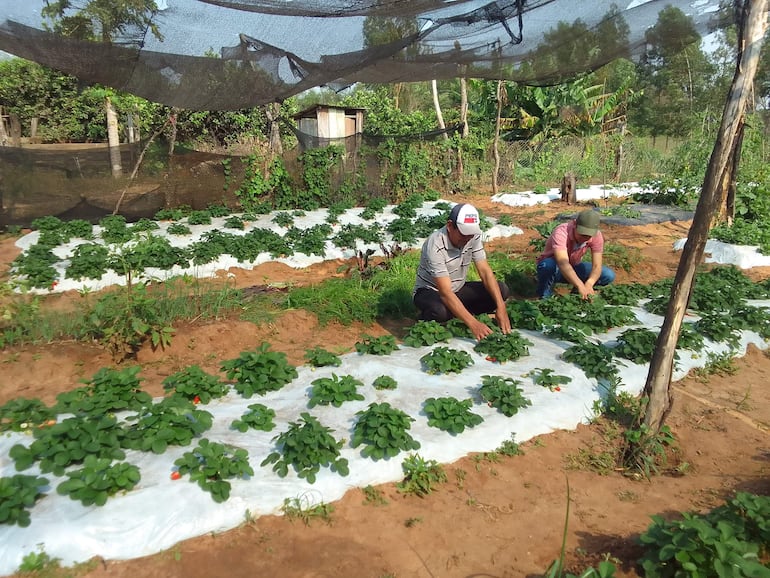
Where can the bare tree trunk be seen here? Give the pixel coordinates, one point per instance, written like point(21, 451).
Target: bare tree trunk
point(464, 106)
point(273, 113)
point(112, 138)
point(619, 153)
point(3, 132)
point(657, 387)
point(496, 142)
point(437, 106)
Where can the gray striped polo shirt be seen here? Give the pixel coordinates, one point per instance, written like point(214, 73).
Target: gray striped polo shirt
point(440, 258)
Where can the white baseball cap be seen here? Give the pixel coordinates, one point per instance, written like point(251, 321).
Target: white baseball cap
point(466, 218)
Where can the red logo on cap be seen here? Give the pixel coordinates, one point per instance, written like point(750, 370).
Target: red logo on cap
point(469, 219)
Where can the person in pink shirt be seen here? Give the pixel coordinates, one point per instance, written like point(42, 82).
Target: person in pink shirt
point(562, 259)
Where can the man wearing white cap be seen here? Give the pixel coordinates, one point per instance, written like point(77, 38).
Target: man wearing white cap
point(562, 258)
point(441, 291)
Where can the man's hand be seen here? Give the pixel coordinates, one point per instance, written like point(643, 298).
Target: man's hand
point(586, 291)
point(479, 330)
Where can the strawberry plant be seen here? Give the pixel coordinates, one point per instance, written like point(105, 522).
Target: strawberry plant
point(97, 480)
point(383, 345)
point(193, 382)
point(36, 266)
point(259, 417)
point(730, 540)
point(88, 261)
point(283, 219)
point(503, 347)
point(109, 390)
point(526, 315)
point(383, 431)
point(307, 446)
point(450, 414)
point(18, 494)
point(689, 338)
point(384, 382)
point(173, 421)
point(421, 476)
point(21, 413)
point(334, 390)
point(259, 371)
point(69, 442)
point(637, 345)
point(178, 229)
point(503, 393)
point(719, 326)
point(427, 333)
point(595, 359)
point(446, 360)
point(319, 357)
point(458, 328)
point(234, 222)
point(547, 378)
point(211, 464)
point(567, 332)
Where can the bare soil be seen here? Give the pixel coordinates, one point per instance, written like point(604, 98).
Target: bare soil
point(501, 518)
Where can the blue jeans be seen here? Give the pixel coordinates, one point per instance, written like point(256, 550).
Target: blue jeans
point(548, 275)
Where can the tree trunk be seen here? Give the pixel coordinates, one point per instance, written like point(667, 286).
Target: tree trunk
point(3, 132)
point(464, 107)
point(496, 142)
point(273, 113)
point(657, 387)
point(112, 138)
point(437, 106)
point(619, 153)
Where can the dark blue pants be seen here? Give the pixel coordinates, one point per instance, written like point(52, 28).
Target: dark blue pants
point(473, 295)
point(548, 275)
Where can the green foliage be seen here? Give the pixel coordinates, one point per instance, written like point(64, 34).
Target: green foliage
point(450, 414)
point(595, 359)
point(446, 360)
point(97, 480)
point(383, 432)
point(211, 464)
point(88, 261)
point(727, 541)
point(427, 333)
point(503, 393)
point(645, 450)
point(421, 476)
point(670, 191)
point(21, 413)
point(108, 391)
point(125, 320)
point(172, 421)
point(384, 382)
point(501, 347)
point(319, 357)
point(382, 345)
point(302, 509)
point(334, 390)
point(18, 494)
point(545, 377)
point(317, 166)
point(637, 345)
point(307, 446)
point(178, 229)
point(192, 382)
point(259, 371)
point(69, 442)
point(259, 417)
point(35, 266)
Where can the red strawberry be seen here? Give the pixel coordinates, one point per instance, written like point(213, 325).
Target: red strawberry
point(175, 475)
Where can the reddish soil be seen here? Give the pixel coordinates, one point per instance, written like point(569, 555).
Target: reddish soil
point(500, 518)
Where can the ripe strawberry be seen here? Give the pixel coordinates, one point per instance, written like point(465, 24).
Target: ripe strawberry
point(175, 475)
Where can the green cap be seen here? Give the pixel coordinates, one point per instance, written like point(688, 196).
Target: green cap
point(588, 223)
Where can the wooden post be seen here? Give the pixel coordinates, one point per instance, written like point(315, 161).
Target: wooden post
point(657, 387)
point(568, 192)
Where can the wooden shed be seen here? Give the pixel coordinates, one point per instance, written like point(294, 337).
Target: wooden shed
point(323, 125)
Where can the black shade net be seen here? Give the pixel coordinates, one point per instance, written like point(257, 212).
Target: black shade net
point(233, 54)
